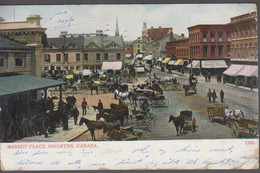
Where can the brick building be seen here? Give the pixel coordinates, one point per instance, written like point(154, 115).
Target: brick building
point(244, 38)
point(178, 48)
point(209, 41)
point(155, 33)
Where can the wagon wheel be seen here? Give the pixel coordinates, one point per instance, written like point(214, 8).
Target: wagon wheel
point(253, 132)
point(211, 117)
point(235, 128)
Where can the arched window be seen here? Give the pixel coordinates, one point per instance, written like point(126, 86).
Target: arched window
point(228, 36)
point(246, 31)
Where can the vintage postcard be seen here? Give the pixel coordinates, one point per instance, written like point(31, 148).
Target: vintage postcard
point(127, 87)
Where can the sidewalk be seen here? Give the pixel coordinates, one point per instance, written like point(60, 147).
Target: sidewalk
point(64, 136)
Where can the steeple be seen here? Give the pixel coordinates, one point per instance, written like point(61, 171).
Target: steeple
point(117, 29)
point(144, 31)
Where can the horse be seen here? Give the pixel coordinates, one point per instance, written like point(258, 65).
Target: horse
point(111, 117)
point(178, 122)
point(121, 109)
point(93, 87)
point(238, 113)
point(122, 95)
point(95, 108)
point(93, 125)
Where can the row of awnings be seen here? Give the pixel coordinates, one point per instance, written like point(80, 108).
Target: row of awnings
point(242, 70)
point(172, 62)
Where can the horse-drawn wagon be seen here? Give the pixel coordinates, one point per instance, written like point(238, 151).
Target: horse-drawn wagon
point(240, 124)
point(188, 87)
point(219, 112)
point(169, 83)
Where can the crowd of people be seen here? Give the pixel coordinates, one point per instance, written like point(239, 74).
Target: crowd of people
point(213, 95)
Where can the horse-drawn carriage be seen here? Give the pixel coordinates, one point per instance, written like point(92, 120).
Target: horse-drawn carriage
point(218, 112)
point(243, 124)
point(188, 87)
point(169, 83)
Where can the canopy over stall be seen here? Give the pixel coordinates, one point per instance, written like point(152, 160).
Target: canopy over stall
point(233, 70)
point(114, 65)
point(159, 59)
point(166, 60)
point(171, 62)
point(23, 83)
point(195, 64)
point(249, 71)
point(148, 57)
point(213, 64)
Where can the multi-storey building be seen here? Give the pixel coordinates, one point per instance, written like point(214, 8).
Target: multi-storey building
point(209, 41)
point(178, 48)
point(244, 38)
point(137, 47)
point(155, 33)
point(77, 53)
point(16, 58)
point(29, 33)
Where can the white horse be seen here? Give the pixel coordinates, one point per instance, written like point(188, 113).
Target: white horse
point(121, 95)
point(238, 113)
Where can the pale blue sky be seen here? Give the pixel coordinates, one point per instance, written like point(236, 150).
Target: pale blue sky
point(89, 18)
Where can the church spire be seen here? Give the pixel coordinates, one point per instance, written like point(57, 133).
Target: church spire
point(117, 29)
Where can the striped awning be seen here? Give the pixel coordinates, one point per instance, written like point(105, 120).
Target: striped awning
point(213, 64)
point(249, 71)
point(171, 62)
point(195, 64)
point(166, 60)
point(159, 59)
point(179, 62)
point(233, 70)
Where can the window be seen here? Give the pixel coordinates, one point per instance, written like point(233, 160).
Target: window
point(118, 56)
point(220, 51)
point(66, 57)
point(2, 62)
point(106, 56)
point(77, 57)
point(233, 34)
point(220, 36)
point(237, 36)
point(212, 36)
point(228, 51)
point(204, 36)
point(98, 56)
point(46, 68)
point(85, 57)
point(212, 51)
point(242, 33)
point(246, 32)
point(228, 36)
point(71, 68)
point(66, 68)
point(205, 51)
point(78, 68)
point(57, 57)
point(47, 58)
point(58, 68)
point(251, 31)
point(18, 61)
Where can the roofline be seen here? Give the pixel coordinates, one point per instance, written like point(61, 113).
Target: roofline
point(206, 25)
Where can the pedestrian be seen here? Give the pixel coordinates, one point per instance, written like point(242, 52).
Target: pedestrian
point(214, 96)
point(100, 106)
point(154, 75)
point(209, 77)
point(222, 96)
point(84, 106)
point(206, 78)
point(193, 124)
point(75, 114)
point(209, 95)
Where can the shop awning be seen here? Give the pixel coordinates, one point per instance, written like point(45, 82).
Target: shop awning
point(249, 71)
point(128, 55)
point(116, 65)
point(159, 59)
point(166, 60)
point(171, 62)
point(139, 56)
point(195, 64)
point(23, 83)
point(233, 70)
point(148, 57)
point(179, 62)
point(214, 64)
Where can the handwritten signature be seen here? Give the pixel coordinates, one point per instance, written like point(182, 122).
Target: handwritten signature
point(62, 19)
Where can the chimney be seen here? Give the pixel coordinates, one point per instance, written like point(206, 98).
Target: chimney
point(34, 19)
point(160, 27)
point(182, 35)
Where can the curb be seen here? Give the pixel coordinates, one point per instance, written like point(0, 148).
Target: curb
point(78, 135)
point(240, 88)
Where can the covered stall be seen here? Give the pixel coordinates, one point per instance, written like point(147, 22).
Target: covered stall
point(181, 65)
point(171, 64)
point(231, 73)
point(112, 67)
point(194, 67)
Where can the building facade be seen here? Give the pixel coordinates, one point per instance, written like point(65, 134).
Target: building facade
point(244, 38)
point(16, 58)
point(155, 33)
point(137, 46)
point(178, 48)
point(78, 53)
point(209, 42)
point(29, 33)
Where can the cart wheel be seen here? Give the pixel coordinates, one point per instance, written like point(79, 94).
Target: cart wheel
point(211, 117)
point(253, 132)
point(235, 128)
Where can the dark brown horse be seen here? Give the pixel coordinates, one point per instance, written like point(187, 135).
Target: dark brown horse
point(119, 109)
point(111, 117)
point(93, 125)
point(93, 87)
point(178, 122)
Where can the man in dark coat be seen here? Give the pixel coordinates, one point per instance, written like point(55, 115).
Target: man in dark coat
point(209, 95)
point(222, 96)
point(214, 96)
point(100, 106)
point(84, 106)
point(75, 114)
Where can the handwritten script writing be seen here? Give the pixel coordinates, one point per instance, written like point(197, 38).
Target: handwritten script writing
point(188, 154)
point(62, 19)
